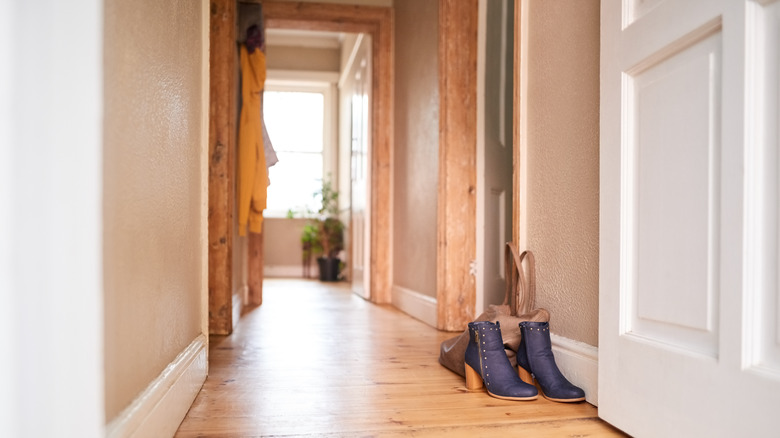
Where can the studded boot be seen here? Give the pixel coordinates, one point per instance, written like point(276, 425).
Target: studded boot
point(535, 360)
point(486, 362)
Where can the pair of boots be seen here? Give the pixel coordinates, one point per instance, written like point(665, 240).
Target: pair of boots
point(486, 361)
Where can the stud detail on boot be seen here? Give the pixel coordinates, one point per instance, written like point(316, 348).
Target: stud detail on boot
point(535, 360)
point(486, 363)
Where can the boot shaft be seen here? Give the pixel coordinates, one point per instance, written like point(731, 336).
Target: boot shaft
point(486, 360)
point(484, 338)
point(536, 360)
point(535, 343)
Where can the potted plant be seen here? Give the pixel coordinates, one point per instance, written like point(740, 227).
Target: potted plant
point(324, 235)
point(310, 243)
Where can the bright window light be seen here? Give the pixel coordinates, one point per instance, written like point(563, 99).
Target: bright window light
point(295, 123)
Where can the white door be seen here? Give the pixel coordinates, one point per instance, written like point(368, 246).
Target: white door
point(689, 337)
point(360, 149)
point(494, 161)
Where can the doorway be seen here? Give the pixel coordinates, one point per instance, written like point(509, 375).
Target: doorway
point(317, 109)
point(374, 21)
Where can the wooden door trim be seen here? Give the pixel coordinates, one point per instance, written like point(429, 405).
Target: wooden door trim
point(520, 125)
point(222, 128)
point(457, 195)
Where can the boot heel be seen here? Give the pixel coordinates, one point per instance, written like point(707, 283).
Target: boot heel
point(473, 379)
point(524, 375)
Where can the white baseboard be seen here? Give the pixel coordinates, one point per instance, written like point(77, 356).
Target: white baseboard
point(160, 408)
point(417, 305)
point(579, 362)
point(294, 271)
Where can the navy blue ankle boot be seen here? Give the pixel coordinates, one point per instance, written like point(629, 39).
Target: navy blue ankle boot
point(535, 360)
point(486, 362)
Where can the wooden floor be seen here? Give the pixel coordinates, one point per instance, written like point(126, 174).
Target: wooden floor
point(316, 360)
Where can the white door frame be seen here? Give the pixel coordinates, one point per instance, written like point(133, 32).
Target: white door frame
point(51, 266)
point(481, 267)
point(480, 236)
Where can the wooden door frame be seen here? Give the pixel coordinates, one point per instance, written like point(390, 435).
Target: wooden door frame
point(520, 124)
point(223, 63)
point(456, 209)
point(457, 195)
point(375, 21)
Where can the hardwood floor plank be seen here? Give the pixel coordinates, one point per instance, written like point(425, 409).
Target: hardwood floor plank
point(575, 428)
point(316, 360)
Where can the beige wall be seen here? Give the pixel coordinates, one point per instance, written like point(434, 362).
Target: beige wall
point(153, 190)
point(563, 162)
point(282, 243)
point(415, 153)
point(385, 3)
point(303, 58)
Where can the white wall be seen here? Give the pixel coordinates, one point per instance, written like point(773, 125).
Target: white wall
point(51, 311)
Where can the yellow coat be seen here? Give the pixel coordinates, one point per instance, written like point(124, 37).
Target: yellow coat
point(252, 172)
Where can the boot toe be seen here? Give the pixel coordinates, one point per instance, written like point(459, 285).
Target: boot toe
point(517, 391)
point(565, 393)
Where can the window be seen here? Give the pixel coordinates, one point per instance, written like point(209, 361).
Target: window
point(295, 121)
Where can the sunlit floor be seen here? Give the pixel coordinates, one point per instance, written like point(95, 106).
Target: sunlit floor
point(316, 360)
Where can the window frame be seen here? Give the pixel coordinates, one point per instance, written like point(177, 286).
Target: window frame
point(312, 82)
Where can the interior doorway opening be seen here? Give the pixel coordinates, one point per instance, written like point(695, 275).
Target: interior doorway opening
point(318, 118)
point(374, 163)
point(226, 293)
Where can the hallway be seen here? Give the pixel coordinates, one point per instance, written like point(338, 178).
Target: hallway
point(316, 360)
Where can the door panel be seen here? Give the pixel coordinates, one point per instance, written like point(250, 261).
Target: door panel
point(688, 335)
point(494, 222)
point(360, 147)
point(495, 239)
point(672, 120)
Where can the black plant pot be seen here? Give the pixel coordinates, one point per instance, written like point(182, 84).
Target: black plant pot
point(329, 268)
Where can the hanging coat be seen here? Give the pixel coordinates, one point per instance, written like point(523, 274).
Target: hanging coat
point(270, 153)
point(252, 170)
